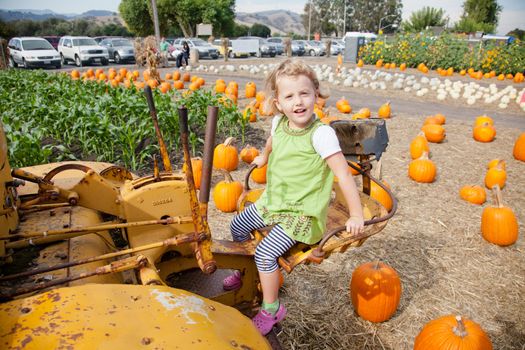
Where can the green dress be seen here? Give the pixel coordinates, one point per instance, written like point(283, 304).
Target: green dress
point(299, 184)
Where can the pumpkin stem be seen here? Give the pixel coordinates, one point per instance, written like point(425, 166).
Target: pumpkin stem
point(379, 170)
point(501, 164)
point(498, 198)
point(460, 329)
point(227, 176)
point(376, 267)
point(229, 141)
point(421, 133)
point(424, 155)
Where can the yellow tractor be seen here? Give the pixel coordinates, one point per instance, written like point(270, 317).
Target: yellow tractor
point(94, 257)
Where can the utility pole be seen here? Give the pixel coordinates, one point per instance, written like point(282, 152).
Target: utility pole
point(156, 21)
point(344, 19)
point(309, 18)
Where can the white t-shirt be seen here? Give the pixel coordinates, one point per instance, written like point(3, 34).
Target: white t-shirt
point(324, 139)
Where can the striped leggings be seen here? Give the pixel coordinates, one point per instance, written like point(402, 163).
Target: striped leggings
point(275, 244)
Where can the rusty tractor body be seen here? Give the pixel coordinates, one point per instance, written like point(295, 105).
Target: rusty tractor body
point(93, 256)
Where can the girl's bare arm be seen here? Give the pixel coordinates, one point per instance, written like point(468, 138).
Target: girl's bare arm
point(338, 164)
point(262, 158)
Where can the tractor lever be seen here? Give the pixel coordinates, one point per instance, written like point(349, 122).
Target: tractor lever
point(153, 113)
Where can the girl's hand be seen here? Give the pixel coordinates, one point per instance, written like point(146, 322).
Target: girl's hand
point(260, 160)
point(355, 225)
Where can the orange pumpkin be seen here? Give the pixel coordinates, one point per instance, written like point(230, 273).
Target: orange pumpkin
point(259, 174)
point(482, 119)
point(452, 333)
point(75, 74)
point(440, 118)
point(248, 154)
point(422, 169)
point(519, 148)
point(385, 110)
point(496, 162)
point(434, 132)
point(226, 194)
point(343, 105)
point(484, 133)
point(196, 167)
point(496, 176)
point(431, 120)
point(250, 90)
point(225, 155)
point(365, 112)
point(380, 195)
point(419, 145)
point(375, 290)
point(498, 223)
point(473, 194)
point(250, 113)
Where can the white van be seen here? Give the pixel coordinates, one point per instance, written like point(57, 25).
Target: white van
point(82, 50)
point(32, 52)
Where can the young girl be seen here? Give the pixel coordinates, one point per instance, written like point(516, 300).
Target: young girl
point(302, 155)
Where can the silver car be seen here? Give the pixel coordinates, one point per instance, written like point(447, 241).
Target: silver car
point(205, 49)
point(32, 52)
point(119, 49)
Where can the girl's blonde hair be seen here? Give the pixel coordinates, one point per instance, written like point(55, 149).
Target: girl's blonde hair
point(289, 67)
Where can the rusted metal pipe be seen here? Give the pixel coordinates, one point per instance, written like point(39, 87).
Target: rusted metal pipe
point(174, 241)
point(130, 263)
point(177, 220)
point(162, 146)
point(202, 250)
point(207, 162)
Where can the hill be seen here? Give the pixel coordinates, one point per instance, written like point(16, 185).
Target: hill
point(40, 15)
point(279, 21)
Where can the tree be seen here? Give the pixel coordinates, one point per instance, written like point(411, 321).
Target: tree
point(328, 16)
point(239, 30)
point(137, 16)
point(517, 33)
point(479, 15)
point(426, 17)
point(482, 11)
point(261, 30)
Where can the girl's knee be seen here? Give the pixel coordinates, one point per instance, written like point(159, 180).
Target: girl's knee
point(264, 261)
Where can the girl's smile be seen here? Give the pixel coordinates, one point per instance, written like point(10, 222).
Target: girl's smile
point(296, 98)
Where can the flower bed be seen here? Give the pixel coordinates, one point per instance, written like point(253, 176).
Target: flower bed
point(447, 51)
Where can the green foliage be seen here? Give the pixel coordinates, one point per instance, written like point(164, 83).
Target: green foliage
point(261, 30)
point(50, 117)
point(58, 26)
point(181, 14)
point(239, 30)
point(482, 11)
point(517, 33)
point(447, 50)
point(469, 25)
point(426, 17)
point(137, 16)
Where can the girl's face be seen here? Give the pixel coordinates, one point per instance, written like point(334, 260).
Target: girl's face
point(296, 96)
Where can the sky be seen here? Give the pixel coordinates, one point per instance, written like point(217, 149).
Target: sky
point(512, 16)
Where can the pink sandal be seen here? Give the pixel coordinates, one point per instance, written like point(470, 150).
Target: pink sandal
point(264, 321)
point(233, 281)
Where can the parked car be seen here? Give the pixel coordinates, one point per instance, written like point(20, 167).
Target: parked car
point(82, 50)
point(98, 39)
point(32, 52)
point(205, 49)
point(53, 40)
point(217, 43)
point(265, 48)
point(334, 48)
point(119, 49)
point(340, 44)
point(312, 47)
point(278, 43)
